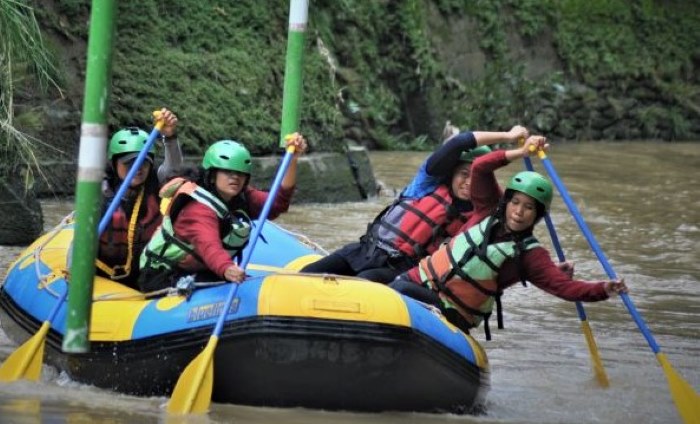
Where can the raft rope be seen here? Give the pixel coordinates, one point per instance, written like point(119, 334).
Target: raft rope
point(45, 280)
point(131, 231)
point(175, 291)
point(303, 239)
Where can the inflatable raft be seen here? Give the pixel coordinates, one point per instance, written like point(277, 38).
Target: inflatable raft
point(289, 339)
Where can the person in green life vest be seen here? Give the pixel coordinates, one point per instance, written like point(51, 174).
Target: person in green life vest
point(133, 223)
point(208, 219)
point(466, 277)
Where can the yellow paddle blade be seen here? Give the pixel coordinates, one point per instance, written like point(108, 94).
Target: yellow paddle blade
point(192, 392)
point(684, 396)
point(598, 369)
point(25, 362)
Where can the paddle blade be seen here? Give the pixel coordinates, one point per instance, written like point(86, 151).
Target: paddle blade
point(598, 369)
point(684, 396)
point(25, 362)
point(192, 392)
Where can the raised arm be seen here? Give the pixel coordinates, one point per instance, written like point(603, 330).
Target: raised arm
point(485, 138)
point(172, 162)
point(300, 147)
point(443, 160)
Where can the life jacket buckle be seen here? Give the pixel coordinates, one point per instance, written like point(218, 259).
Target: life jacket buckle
point(185, 286)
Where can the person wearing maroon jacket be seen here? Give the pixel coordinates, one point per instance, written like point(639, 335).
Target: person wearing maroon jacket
point(137, 217)
point(495, 249)
point(208, 220)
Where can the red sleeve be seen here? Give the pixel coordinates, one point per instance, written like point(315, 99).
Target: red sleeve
point(485, 191)
point(256, 201)
point(198, 225)
point(543, 273)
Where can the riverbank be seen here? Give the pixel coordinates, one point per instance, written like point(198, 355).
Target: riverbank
point(383, 74)
point(321, 178)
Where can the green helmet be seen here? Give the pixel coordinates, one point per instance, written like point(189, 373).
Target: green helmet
point(534, 185)
point(468, 156)
point(128, 140)
point(227, 154)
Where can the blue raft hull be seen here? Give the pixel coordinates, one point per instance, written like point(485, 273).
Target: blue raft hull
point(289, 340)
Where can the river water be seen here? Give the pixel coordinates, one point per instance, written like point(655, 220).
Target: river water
point(640, 200)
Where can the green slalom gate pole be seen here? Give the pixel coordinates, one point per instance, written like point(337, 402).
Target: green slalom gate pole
point(91, 164)
point(291, 100)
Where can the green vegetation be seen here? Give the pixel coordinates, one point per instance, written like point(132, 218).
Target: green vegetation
point(622, 39)
point(373, 73)
point(617, 47)
point(23, 61)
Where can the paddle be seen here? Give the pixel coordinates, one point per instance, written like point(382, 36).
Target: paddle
point(684, 396)
point(192, 393)
point(25, 362)
point(598, 368)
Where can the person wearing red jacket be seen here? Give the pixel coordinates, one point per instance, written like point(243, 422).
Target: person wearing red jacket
point(496, 249)
point(208, 220)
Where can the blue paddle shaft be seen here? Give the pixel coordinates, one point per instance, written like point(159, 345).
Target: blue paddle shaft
point(598, 252)
point(254, 238)
point(555, 242)
point(267, 206)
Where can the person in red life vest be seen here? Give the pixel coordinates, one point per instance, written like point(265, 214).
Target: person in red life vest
point(466, 277)
point(208, 220)
point(431, 208)
point(135, 220)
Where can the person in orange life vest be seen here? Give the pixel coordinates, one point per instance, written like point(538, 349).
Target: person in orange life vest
point(138, 215)
point(209, 218)
point(466, 276)
point(431, 208)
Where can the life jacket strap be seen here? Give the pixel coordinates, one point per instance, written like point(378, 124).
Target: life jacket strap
point(499, 311)
point(119, 272)
point(487, 329)
point(457, 269)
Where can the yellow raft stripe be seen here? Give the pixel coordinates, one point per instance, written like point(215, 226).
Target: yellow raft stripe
point(268, 268)
point(294, 265)
point(114, 320)
point(302, 261)
point(482, 360)
point(53, 254)
point(331, 298)
point(105, 327)
point(110, 320)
